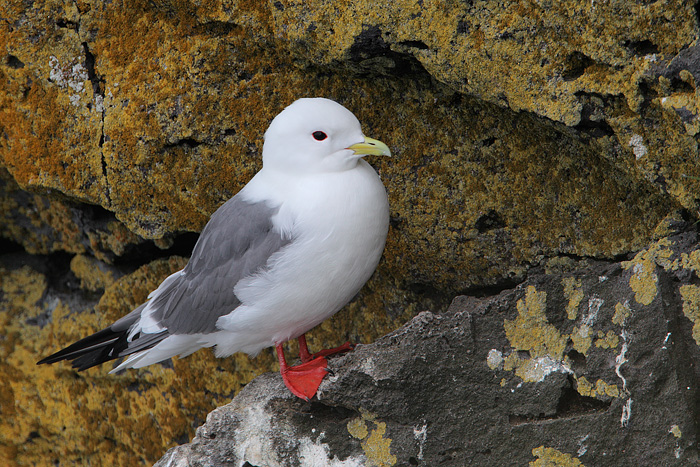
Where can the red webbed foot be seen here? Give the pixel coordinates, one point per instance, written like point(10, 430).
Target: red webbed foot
point(303, 380)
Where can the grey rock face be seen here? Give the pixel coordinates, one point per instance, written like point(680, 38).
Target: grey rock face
point(596, 366)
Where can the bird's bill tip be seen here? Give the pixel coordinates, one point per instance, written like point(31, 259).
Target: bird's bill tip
point(370, 147)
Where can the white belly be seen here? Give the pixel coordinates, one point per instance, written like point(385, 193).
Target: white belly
point(337, 240)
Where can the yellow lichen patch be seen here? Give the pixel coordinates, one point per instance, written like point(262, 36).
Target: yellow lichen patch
point(92, 416)
point(23, 287)
point(531, 330)
point(358, 428)
point(93, 274)
point(573, 292)
point(608, 340)
point(44, 224)
point(599, 390)
point(115, 239)
point(687, 261)
point(376, 447)
point(511, 362)
point(692, 260)
point(582, 338)
point(622, 312)
point(21, 290)
point(690, 295)
point(683, 102)
point(665, 227)
point(559, 265)
point(154, 100)
point(447, 30)
point(550, 457)
point(644, 278)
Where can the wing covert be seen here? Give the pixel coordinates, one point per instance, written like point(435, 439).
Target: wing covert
point(237, 242)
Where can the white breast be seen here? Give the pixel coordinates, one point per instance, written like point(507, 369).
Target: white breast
point(338, 224)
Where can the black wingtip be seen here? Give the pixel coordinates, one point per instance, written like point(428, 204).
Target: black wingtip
point(91, 350)
point(103, 346)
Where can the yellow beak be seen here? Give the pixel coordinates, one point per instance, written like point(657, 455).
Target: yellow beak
point(370, 147)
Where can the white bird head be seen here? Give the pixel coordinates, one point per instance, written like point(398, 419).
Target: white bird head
point(317, 135)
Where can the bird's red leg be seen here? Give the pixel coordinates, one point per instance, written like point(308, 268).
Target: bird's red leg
point(303, 380)
point(306, 356)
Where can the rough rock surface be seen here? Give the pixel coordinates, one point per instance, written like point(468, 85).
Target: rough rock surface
point(519, 131)
point(526, 133)
point(597, 365)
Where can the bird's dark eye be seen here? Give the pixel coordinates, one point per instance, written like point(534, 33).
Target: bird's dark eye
point(319, 135)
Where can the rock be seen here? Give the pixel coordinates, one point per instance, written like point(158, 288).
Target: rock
point(500, 133)
point(527, 135)
point(49, 224)
point(55, 415)
point(597, 365)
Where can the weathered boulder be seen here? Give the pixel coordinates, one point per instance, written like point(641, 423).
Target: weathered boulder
point(596, 365)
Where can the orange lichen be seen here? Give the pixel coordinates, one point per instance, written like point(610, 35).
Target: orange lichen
point(117, 419)
point(93, 416)
point(93, 274)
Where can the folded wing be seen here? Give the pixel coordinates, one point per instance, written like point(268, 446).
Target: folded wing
point(237, 242)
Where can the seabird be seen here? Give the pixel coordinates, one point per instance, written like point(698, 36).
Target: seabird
point(284, 254)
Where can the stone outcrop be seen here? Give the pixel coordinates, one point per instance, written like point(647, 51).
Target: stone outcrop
point(594, 365)
point(526, 135)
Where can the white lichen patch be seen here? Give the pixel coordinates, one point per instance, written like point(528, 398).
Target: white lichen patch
point(636, 142)
point(582, 336)
point(71, 77)
point(594, 304)
point(535, 370)
point(621, 358)
point(582, 446)
point(312, 453)
point(368, 366)
point(626, 413)
point(421, 435)
point(255, 438)
point(494, 359)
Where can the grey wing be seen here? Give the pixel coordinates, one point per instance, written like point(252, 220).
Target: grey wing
point(237, 242)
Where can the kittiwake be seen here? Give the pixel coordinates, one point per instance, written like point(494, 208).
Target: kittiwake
point(284, 254)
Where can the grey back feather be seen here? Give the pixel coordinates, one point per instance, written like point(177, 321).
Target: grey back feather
point(237, 242)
